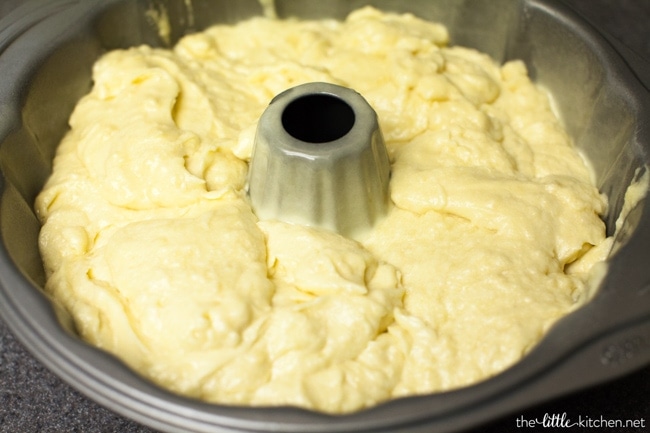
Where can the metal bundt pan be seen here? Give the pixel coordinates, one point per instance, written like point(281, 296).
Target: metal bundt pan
point(46, 52)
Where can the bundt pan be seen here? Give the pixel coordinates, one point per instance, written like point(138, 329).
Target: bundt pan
point(46, 52)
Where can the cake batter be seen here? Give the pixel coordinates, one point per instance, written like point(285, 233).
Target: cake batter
point(150, 244)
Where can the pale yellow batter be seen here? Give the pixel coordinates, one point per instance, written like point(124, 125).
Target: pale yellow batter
point(150, 243)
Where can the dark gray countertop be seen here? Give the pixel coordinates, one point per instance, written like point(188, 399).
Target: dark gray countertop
point(34, 400)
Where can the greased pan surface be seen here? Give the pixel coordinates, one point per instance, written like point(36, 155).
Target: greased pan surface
point(601, 101)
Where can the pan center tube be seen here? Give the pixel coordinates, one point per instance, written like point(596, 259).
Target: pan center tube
point(320, 160)
point(318, 118)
